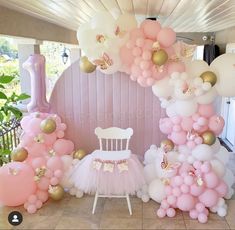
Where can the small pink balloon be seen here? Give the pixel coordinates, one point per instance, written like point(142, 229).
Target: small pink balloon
point(187, 123)
point(188, 180)
point(222, 188)
point(63, 147)
point(193, 214)
point(191, 144)
point(202, 218)
point(168, 190)
point(197, 164)
point(25, 122)
point(34, 125)
point(60, 134)
point(129, 45)
point(142, 82)
point(165, 125)
point(178, 180)
point(196, 190)
point(144, 65)
point(195, 116)
point(176, 120)
point(173, 67)
point(32, 199)
point(31, 209)
point(151, 28)
point(170, 212)
point(54, 181)
point(136, 51)
point(42, 195)
point(161, 213)
point(185, 202)
point(171, 200)
point(164, 204)
point(38, 162)
point(206, 167)
point(48, 173)
point(148, 45)
point(202, 121)
point(140, 42)
point(184, 188)
point(135, 70)
point(176, 192)
point(38, 204)
point(133, 77)
point(138, 60)
point(146, 73)
point(150, 81)
point(206, 110)
point(198, 140)
point(209, 198)
point(58, 173)
point(179, 138)
point(136, 33)
point(146, 55)
point(62, 126)
point(166, 37)
point(176, 128)
point(216, 124)
point(200, 207)
point(43, 184)
point(49, 139)
point(55, 163)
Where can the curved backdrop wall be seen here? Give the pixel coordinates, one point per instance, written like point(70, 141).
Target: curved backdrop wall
point(87, 101)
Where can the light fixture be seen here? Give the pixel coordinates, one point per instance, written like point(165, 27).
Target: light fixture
point(65, 55)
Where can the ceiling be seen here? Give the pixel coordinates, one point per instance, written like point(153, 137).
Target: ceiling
point(181, 15)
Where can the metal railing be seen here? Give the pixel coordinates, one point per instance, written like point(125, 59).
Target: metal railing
point(9, 138)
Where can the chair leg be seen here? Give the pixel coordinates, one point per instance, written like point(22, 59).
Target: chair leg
point(128, 203)
point(95, 202)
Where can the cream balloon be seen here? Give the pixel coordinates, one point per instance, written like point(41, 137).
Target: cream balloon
point(223, 155)
point(157, 190)
point(202, 152)
point(162, 88)
point(224, 68)
point(196, 67)
point(208, 97)
point(126, 22)
point(150, 172)
point(218, 167)
point(186, 108)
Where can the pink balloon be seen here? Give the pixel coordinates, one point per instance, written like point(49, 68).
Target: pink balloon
point(49, 139)
point(58, 173)
point(176, 192)
point(126, 56)
point(202, 121)
point(193, 214)
point(135, 70)
point(34, 125)
point(42, 195)
point(165, 125)
point(148, 45)
point(157, 74)
point(136, 33)
point(146, 55)
point(63, 147)
point(222, 188)
point(16, 183)
point(63, 126)
point(31, 209)
point(198, 140)
point(54, 181)
point(186, 202)
point(202, 218)
point(171, 200)
point(44, 183)
point(48, 173)
point(150, 81)
point(170, 212)
point(136, 51)
point(191, 144)
point(216, 124)
point(144, 65)
point(188, 180)
point(139, 42)
point(151, 28)
point(55, 163)
point(38, 162)
point(168, 190)
point(25, 122)
point(60, 134)
point(176, 128)
point(36, 149)
point(206, 110)
point(209, 198)
point(166, 37)
point(184, 188)
point(187, 123)
point(147, 73)
point(179, 138)
point(164, 204)
point(32, 199)
point(38, 204)
point(175, 67)
point(161, 213)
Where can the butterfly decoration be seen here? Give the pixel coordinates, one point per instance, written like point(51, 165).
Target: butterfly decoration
point(13, 172)
point(168, 166)
point(104, 62)
point(40, 172)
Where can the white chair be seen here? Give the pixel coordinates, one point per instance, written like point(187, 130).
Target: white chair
point(114, 145)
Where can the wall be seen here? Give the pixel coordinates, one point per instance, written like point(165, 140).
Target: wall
point(87, 101)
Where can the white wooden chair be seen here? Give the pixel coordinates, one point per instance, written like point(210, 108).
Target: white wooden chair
point(114, 145)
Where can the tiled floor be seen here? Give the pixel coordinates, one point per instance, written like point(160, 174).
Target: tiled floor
point(73, 213)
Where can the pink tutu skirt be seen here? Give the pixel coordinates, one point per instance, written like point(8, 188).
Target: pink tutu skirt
point(115, 182)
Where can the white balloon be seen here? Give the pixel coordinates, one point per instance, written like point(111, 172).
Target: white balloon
point(79, 194)
point(186, 108)
point(157, 190)
point(126, 22)
point(202, 152)
point(229, 177)
point(162, 88)
point(190, 159)
point(145, 198)
point(139, 194)
point(196, 67)
point(172, 156)
point(229, 193)
point(218, 167)
point(171, 111)
point(216, 146)
point(222, 212)
point(73, 191)
point(208, 97)
point(150, 155)
point(150, 172)
point(67, 161)
point(223, 155)
point(223, 66)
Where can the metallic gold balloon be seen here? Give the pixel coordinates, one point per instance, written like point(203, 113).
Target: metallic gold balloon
point(48, 125)
point(86, 66)
point(208, 138)
point(159, 57)
point(79, 154)
point(209, 76)
point(19, 154)
point(167, 145)
point(56, 192)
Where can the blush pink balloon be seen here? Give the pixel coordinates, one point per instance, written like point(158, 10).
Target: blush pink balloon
point(185, 202)
point(148, 45)
point(55, 163)
point(16, 183)
point(193, 214)
point(25, 122)
point(44, 183)
point(31, 208)
point(222, 188)
point(63, 147)
point(38, 204)
point(179, 138)
point(206, 110)
point(216, 124)
point(49, 139)
point(175, 67)
point(38, 162)
point(60, 134)
point(209, 198)
point(54, 181)
point(166, 125)
point(34, 125)
point(42, 195)
point(32, 199)
point(136, 33)
point(135, 70)
point(166, 37)
point(151, 28)
point(36, 149)
point(187, 123)
point(161, 213)
point(211, 180)
point(196, 190)
point(146, 55)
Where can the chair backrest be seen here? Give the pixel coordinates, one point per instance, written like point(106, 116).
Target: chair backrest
point(113, 138)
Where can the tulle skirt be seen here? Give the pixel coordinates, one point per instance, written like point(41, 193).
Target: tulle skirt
point(88, 179)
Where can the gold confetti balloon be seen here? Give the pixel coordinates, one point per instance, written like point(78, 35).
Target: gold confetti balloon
point(56, 192)
point(19, 154)
point(79, 154)
point(208, 137)
point(48, 125)
point(159, 57)
point(86, 66)
point(209, 76)
point(167, 145)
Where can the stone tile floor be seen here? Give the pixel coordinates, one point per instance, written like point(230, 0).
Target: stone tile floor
point(73, 213)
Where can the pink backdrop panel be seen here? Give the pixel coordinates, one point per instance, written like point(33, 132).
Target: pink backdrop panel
point(85, 102)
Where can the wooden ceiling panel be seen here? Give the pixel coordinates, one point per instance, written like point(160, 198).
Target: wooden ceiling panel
point(181, 15)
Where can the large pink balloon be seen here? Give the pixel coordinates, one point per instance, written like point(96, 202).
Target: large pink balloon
point(55, 163)
point(63, 146)
point(16, 183)
point(209, 198)
point(151, 28)
point(35, 64)
point(126, 56)
point(179, 138)
point(216, 124)
point(187, 123)
point(186, 202)
point(166, 37)
point(206, 110)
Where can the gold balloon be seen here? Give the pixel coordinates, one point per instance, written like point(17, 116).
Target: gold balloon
point(56, 192)
point(79, 154)
point(86, 66)
point(209, 76)
point(48, 125)
point(19, 154)
point(208, 138)
point(167, 145)
point(159, 57)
